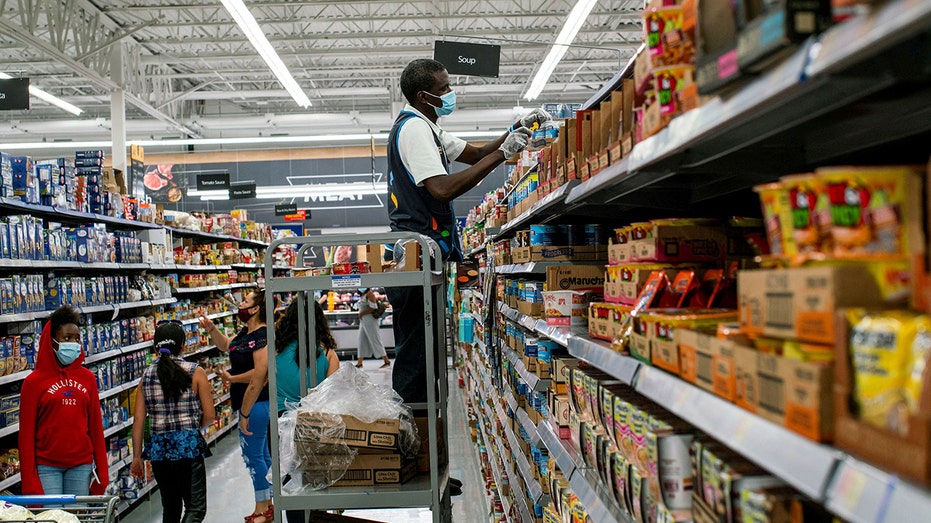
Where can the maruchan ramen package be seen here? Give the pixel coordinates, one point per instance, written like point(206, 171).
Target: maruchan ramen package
point(810, 213)
point(889, 350)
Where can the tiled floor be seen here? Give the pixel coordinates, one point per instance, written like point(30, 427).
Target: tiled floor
point(229, 490)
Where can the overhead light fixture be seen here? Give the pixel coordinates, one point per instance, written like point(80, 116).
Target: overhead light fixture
point(253, 32)
point(566, 36)
point(316, 190)
point(48, 98)
point(254, 140)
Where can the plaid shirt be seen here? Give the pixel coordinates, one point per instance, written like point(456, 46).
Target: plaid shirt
point(166, 415)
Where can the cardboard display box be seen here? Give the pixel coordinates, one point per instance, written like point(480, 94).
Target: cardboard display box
point(558, 253)
point(907, 455)
point(681, 243)
point(799, 303)
point(378, 469)
point(576, 278)
point(381, 434)
point(794, 394)
point(708, 362)
point(534, 309)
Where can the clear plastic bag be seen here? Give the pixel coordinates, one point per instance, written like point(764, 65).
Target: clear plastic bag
point(313, 453)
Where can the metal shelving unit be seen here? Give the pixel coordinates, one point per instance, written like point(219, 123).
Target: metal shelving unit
point(116, 352)
point(429, 489)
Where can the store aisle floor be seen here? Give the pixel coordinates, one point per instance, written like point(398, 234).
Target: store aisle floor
point(229, 490)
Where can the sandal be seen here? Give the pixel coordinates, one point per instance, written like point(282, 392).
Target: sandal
point(358, 365)
point(385, 365)
point(268, 515)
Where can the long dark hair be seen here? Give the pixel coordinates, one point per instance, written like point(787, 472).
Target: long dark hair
point(258, 300)
point(169, 340)
point(286, 331)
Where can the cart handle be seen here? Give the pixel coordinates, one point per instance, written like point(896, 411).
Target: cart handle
point(41, 500)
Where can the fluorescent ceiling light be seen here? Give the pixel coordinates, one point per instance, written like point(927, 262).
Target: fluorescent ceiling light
point(566, 36)
point(254, 140)
point(319, 190)
point(42, 95)
point(253, 32)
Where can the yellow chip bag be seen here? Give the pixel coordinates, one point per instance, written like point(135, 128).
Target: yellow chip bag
point(918, 358)
point(880, 347)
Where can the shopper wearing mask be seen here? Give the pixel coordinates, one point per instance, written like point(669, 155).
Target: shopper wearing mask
point(249, 355)
point(369, 341)
point(287, 370)
point(177, 399)
point(61, 443)
point(421, 193)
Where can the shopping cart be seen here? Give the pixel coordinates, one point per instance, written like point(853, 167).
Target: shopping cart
point(88, 509)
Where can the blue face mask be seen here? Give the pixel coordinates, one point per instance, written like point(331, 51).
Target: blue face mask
point(449, 103)
point(68, 352)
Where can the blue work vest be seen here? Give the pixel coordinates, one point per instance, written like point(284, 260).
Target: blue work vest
point(412, 208)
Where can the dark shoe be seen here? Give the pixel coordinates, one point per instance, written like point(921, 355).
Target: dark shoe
point(455, 482)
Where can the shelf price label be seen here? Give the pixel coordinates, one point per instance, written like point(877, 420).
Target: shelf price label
point(346, 281)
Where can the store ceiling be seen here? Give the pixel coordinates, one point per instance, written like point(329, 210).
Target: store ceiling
point(188, 69)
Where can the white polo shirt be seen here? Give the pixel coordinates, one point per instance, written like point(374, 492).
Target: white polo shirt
point(418, 149)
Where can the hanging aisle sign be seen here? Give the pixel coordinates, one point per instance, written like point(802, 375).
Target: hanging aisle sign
point(213, 182)
point(284, 209)
point(242, 191)
point(470, 59)
point(14, 94)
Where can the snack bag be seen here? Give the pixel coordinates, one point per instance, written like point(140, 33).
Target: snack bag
point(880, 347)
point(918, 358)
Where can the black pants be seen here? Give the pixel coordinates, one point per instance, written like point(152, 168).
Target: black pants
point(409, 377)
point(182, 482)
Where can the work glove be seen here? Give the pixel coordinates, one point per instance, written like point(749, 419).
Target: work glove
point(537, 116)
point(516, 141)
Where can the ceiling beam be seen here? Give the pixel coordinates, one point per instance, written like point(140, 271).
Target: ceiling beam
point(89, 74)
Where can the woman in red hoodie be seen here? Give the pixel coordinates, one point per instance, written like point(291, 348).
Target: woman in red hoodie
point(61, 444)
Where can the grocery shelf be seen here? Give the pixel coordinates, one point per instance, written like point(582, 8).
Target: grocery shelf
point(495, 471)
point(595, 498)
point(16, 376)
point(546, 207)
point(117, 466)
point(7, 263)
point(66, 215)
point(127, 504)
point(524, 466)
point(519, 497)
point(562, 453)
point(219, 434)
point(583, 481)
point(215, 237)
point(527, 268)
point(10, 481)
point(215, 316)
point(186, 267)
point(210, 288)
point(600, 354)
point(201, 350)
point(528, 426)
point(9, 429)
point(351, 281)
point(118, 427)
point(116, 352)
point(861, 493)
point(533, 381)
point(221, 399)
point(113, 391)
point(805, 465)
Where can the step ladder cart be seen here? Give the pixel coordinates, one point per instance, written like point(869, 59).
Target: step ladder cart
point(427, 489)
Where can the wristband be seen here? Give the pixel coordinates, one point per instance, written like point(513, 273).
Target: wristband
point(243, 415)
point(511, 128)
